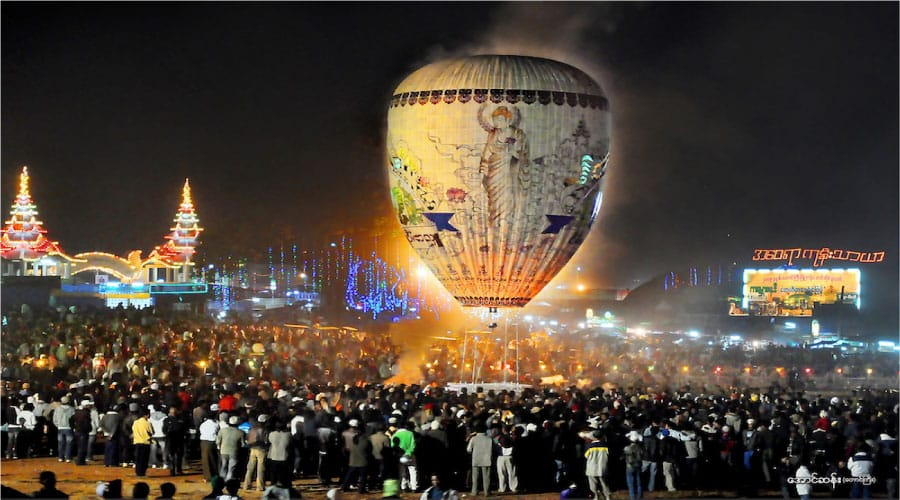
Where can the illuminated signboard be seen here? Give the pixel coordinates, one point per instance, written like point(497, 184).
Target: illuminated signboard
point(793, 292)
point(817, 255)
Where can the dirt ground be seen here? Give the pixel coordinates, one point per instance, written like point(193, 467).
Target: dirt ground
point(80, 482)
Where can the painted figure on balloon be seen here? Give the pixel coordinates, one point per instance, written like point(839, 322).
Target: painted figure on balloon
point(504, 163)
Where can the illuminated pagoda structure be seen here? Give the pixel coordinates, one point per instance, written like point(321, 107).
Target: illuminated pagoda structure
point(25, 248)
point(181, 246)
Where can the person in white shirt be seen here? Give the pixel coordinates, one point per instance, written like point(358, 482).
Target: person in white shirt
point(209, 454)
point(26, 435)
point(95, 426)
point(158, 446)
point(803, 488)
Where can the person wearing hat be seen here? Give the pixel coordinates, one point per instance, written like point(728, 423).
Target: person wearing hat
point(230, 440)
point(209, 454)
point(81, 427)
point(95, 427)
point(633, 453)
point(65, 436)
point(258, 440)
point(328, 449)
point(596, 457)
point(347, 436)
point(358, 462)
point(752, 445)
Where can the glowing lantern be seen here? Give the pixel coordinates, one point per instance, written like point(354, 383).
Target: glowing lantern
point(496, 167)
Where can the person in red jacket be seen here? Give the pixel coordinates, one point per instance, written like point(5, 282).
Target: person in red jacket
point(228, 402)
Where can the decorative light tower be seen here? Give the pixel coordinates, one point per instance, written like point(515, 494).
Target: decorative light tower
point(183, 239)
point(23, 237)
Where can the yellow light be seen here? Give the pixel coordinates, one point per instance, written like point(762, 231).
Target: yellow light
point(747, 369)
point(840, 371)
point(685, 368)
point(615, 368)
point(580, 287)
point(201, 364)
point(427, 365)
point(869, 371)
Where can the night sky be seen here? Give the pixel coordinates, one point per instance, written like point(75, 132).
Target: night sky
point(735, 126)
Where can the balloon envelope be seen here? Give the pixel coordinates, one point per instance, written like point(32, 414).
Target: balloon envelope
point(496, 166)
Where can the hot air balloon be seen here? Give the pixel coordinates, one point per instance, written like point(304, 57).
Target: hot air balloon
point(496, 166)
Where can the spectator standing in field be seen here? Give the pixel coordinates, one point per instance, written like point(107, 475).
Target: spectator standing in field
point(142, 434)
point(258, 441)
point(481, 447)
point(209, 455)
point(230, 440)
point(109, 426)
point(174, 428)
point(61, 417)
point(633, 453)
point(597, 465)
point(158, 454)
point(279, 453)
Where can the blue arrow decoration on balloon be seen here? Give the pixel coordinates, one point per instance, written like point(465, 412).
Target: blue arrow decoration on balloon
point(442, 220)
point(557, 222)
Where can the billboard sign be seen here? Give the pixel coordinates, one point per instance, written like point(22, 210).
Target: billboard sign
point(794, 292)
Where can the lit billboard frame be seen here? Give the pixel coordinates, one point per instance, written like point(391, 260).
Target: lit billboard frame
point(815, 284)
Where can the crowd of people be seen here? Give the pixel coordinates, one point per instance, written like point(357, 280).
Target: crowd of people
point(597, 356)
point(317, 403)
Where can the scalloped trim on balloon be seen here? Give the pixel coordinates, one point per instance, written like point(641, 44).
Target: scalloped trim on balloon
point(493, 301)
point(497, 96)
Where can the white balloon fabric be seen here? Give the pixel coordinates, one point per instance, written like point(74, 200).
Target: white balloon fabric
point(496, 166)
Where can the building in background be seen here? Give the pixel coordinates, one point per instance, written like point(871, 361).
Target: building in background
point(37, 272)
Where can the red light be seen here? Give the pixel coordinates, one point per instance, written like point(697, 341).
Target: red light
point(718, 369)
point(808, 370)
